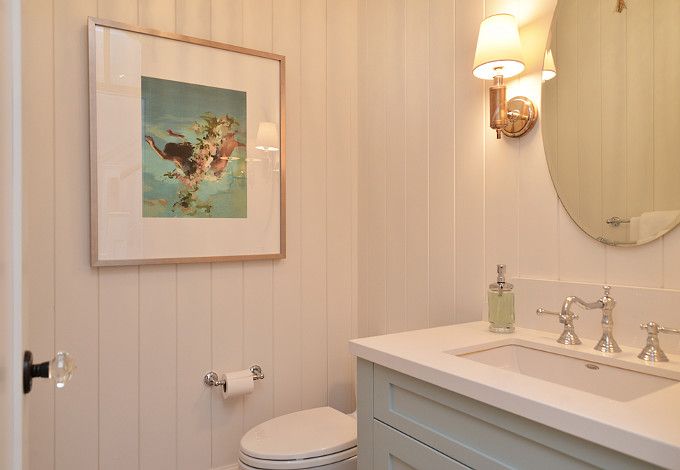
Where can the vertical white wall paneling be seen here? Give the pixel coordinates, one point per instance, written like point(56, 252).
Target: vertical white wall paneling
point(373, 162)
point(192, 18)
point(470, 122)
point(354, 162)
point(227, 355)
point(194, 358)
point(671, 259)
point(581, 257)
point(119, 368)
point(396, 166)
point(257, 280)
point(258, 340)
point(416, 32)
point(442, 137)
point(169, 321)
point(314, 202)
point(227, 21)
point(257, 24)
point(341, 80)
point(538, 216)
point(125, 11)
point(38, 223)
point(361, 232)
point(76, 284)
point(640, 266)
point(158, 385)
point(345, 60)
point(157, 14)
point(288, 327)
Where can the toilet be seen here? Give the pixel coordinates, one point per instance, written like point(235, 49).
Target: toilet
point(320, 438)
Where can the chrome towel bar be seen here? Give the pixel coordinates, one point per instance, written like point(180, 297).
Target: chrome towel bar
point(616, 221)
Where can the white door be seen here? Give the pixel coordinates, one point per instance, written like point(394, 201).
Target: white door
point(11, 395)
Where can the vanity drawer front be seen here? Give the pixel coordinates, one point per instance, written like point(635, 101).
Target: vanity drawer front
point(394, 450)
point(479, 435)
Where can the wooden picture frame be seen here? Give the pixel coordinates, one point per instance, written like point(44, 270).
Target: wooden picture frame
point(187, 149)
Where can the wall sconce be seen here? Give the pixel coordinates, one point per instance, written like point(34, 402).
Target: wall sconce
point(549, 70)
point(499, 56)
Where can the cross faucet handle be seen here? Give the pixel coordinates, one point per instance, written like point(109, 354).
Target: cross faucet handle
point(654, 328)
point(568, 336)
point(652, 350)
point(563, 317)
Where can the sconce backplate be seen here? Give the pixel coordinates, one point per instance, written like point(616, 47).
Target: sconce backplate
point(522, 115)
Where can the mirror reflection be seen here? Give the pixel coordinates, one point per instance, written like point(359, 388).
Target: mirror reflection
point(610, 116)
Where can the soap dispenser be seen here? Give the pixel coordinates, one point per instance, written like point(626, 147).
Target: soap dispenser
point(501, 304)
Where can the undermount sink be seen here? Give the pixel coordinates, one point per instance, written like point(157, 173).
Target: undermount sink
point(618, 382)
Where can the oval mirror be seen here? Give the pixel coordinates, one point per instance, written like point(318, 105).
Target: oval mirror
point(609, 116)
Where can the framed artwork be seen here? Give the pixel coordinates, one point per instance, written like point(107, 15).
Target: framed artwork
point(187, 149)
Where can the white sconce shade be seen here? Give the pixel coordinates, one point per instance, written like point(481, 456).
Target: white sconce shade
point(267, 136)
point(549, 70)
point(499, 51)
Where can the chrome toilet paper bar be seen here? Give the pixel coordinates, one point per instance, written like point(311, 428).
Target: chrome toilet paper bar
point(257, 372)
point(211, 379)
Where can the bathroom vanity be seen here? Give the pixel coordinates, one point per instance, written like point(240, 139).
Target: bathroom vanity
point(462, 397)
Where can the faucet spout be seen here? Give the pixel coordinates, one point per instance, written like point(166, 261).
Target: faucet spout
point(607, 342)
point(581, 303)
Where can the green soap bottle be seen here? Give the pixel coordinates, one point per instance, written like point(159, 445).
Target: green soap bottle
point(501, 304)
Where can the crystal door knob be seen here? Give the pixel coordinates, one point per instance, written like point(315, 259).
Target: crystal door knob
point(60, 369)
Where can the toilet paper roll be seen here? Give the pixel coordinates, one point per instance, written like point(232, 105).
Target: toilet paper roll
point(237, 383)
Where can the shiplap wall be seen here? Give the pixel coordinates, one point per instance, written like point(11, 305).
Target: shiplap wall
point(421, 187)
point(434, 220)
point(143, 337)
point(439, 203)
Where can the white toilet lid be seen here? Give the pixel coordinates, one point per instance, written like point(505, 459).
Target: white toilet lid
point(302, 435)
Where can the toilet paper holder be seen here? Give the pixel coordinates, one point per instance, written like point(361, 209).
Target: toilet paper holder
point(211, 379)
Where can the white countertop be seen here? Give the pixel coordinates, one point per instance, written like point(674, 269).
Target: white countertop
point(647, 427)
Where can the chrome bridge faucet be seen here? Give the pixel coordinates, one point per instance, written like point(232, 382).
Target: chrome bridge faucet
point(607, 343)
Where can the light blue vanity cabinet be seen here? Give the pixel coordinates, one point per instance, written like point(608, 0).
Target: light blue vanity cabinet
point(406, 423)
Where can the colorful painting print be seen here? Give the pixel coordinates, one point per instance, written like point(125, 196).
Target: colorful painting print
point(194, 150)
